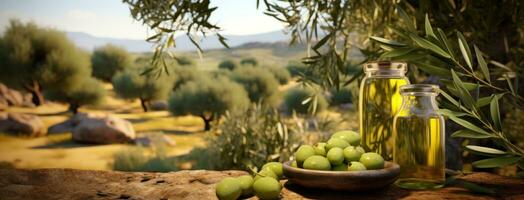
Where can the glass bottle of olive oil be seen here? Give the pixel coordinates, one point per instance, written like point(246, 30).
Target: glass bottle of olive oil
point(419, 139)
point(379, 101)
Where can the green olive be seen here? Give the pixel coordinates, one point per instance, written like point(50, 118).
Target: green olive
point(320, 149)
point(228, 189)
point(341, 167)
point(356, 166)
point(267, 188)
point(304, 152)
point(352, 154)
point(335, 142)
point(294, 164)
point(317, 162)
point(275, 167)
point(266, 173)
point(335, 156)
point(352, 137)
point(372, 160)
point(246, 184)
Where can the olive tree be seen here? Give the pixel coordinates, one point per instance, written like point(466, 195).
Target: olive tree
point(281, 74)
point(34, 59)
point(259, 83)
point(249, 61)
point(227, 64)
point(109, 60)
point(131, 85)
point(208, 99)
point(89, 91)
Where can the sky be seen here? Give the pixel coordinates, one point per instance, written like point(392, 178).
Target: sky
point(111, 18)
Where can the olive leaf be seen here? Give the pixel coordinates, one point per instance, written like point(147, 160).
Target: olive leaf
point(386, 41)
point(485, 150)
point(465, 96)
point(496, 162)
point(470, 134)
point(429, 46)
point(464, 48)
point(495, 113)
point(429, 29)
point(467, 125)
point(482, 64)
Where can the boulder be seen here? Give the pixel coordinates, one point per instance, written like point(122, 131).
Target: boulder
point(153, 139)
point(23, 124)
point(158, 105)
point(102, 130)
point(14, 97)
point(70, 124)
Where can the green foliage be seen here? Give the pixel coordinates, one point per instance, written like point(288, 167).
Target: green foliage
point(342, 96)
point(227, 64)
point(184, 74)
point(208, 99)
point(131, 85)
point(259, 83)
point(249, 61)
point(184, 61)
point(281, 74)
point(89, 91)
point(249, 139)
point(145, 159)
point(472, 94)
point(299, 100)
point(33, 58)
point(109, 60)
point(297, 69)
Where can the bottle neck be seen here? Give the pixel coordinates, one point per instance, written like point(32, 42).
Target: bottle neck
point(385, 73)
point(419, 103)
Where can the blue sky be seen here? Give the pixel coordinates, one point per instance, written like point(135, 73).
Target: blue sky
point(111, 18)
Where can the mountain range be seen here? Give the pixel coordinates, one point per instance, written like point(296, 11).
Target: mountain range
point(89, 42)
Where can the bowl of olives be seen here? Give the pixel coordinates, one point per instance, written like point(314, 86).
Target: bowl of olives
point(340, 164)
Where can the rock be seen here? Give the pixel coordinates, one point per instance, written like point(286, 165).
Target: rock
point(152, 139)
point(200, 184)
point(158, 105)
point(102, 130)
point(14, 97)
point(23, 124)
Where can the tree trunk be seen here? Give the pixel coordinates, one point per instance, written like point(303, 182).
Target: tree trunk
point(36, 91)
point(207, 122)
point(73, 108)
point(144, 105)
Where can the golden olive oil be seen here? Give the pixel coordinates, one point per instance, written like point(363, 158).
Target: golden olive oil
point(379, 102)
point(419, 150)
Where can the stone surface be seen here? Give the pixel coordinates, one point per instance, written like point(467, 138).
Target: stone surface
point(12, 97)
point(200, 184)
point(97, 129)
point(22, 124)
point(153, 139)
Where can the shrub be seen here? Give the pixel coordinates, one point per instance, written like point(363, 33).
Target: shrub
point(184, 61)
point(89, 92)
point(294, 99)
point(341, 96)
point(249, 139)
point(296, 69)
point(32, 58)
point(131, 85)
point(249, 61)
point(227, 64)
point(208, 99)
point(144, 159)
point(259, 83)
point(109, 60)
point(282, 75)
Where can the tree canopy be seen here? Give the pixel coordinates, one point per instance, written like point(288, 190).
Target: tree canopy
point(131, 85)
point(228, 64)
point(89, 91)
point(297, 100)
point(109, 60)
point(34, 59)
point(259, 83)
point(208, 99)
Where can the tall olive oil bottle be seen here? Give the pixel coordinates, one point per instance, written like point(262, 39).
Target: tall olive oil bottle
point(419, 139)
point(379, 101)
